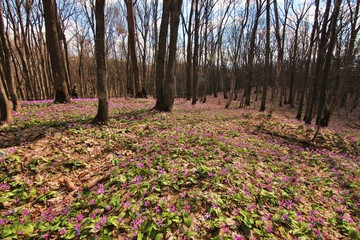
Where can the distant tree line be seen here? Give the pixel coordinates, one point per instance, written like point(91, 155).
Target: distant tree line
point(302, 55)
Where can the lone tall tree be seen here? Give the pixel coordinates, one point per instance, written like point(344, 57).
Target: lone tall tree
point(55, 51)
point(5, 62)
point(102, 94)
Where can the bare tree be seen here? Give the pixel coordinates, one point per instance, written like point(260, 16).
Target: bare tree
point(165, 86)
point(102, 94)
point(267, 58)
point(251, 51)
point(55, 51)
point(7, 65)
point(132, 47)
point(195, 75)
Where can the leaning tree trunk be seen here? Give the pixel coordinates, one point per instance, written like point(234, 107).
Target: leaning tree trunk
point(7, 65)
point(55, 51)
point(103, 106)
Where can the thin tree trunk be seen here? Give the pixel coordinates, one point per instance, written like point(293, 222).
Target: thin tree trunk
point(308, 61)
point(267, 58)
point(196, 54)
point(189, 55)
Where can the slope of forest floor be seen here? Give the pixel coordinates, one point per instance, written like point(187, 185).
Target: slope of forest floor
point(200, 172)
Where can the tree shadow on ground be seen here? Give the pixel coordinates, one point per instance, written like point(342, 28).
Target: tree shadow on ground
point(18, 136)
point(21, 135)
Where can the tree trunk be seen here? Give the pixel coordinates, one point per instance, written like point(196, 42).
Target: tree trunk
point(5, 107)
point(161, 54)
point(323, 114)
point(55, 51)
point(102, 94)
point(169, 77)
point(308, 61)
point(267, 58)
point(132, 47)
point(7, 65)
point(189, 55)
point(318, 66)
point(249, 69)
point(196, 54)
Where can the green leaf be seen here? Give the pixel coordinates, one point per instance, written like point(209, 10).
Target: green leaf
point(6, 232)
point(159, 236)
point(140, 236)
point(28, 229)
point(115, 201)
point(187, 220)
point(354, 234)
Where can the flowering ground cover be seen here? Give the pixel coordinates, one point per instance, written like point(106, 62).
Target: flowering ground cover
point(200, 172)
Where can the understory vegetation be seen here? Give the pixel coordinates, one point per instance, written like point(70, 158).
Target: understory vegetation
point(200, 172)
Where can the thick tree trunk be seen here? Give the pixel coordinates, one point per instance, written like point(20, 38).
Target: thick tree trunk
point(5, 107)
point(161, 54)
point(132, 47)
point(102, 94)
point(55, 51)
point(169, 77)
point(7, 65)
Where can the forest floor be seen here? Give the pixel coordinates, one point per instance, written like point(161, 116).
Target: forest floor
point(200, 172)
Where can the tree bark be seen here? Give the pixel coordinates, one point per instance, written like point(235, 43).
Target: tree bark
point(169, 77)
point(5, 107)
point(132, 47)
point(189, 54)
point(161, 54)
point(267, 58)
point(55, 51)
point(196, 54)
point(308, 61)
point(102, 94)
point(323, 114)
point(7, 65)
point(249, 69)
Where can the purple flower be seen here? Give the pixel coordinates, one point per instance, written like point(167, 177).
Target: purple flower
point(238, 237)
point(107, 207)
point(91, 202)
point(62, 231)
point(101, 189)
point(157, 209)
point(172, 208)
point(79, 217)
point(207, 215)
